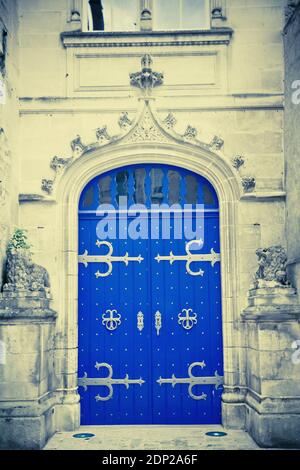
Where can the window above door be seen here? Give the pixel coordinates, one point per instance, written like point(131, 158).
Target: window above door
point(145, 15)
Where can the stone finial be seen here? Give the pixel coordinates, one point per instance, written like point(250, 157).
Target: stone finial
point(22, 274)
point(146, 79)
point(248, 183)
point(271, 270)
point(238, 161)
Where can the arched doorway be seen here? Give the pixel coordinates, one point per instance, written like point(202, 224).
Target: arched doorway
point(150, 327)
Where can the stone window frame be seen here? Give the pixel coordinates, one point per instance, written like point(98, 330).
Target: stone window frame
point(145, 11)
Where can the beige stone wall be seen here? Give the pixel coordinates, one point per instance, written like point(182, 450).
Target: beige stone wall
point(292, 142)
point(9, 126)
point(234, 91)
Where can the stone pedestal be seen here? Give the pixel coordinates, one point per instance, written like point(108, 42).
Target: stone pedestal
point(27, 398)
point(273, 377)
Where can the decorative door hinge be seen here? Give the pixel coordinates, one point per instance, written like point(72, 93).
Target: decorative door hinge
point(158, 322)
point(193, 380)
point(107, 381)
point(190, 258)
point(107, 259)
point(188, 320)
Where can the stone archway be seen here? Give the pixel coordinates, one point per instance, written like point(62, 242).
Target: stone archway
point(146, 142)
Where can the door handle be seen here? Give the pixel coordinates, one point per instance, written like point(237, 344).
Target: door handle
point(158, 322)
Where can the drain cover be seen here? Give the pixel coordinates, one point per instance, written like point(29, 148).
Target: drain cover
point(216, 434)
point(83, 435)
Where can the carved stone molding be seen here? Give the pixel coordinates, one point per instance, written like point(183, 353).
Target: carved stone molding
point(146, 128)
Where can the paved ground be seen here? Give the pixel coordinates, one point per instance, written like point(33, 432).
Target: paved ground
point(152, 438)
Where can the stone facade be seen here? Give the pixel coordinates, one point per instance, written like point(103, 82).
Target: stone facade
point(9, 122)
point(223, 88)
point(292, 138)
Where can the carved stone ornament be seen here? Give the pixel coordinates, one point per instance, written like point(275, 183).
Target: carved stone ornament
point(146, 130)
point(170, 121)
point(23, 274)
point(190, 133)
point(271, 267)
point(238, 161)
point(217, 143)
point(290, 9)
point(248, 183)
point(147, 127)
point(124, 122)
point(146, 79)
point(77, 146)
point(47, 185)
point(102, 135)
point(58, 163)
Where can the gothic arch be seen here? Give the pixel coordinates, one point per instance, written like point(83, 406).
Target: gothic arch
point(159, 147)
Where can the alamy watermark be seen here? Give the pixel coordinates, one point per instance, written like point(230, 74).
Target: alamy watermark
point(296, 354)
point(138, 221)
point(296, 93)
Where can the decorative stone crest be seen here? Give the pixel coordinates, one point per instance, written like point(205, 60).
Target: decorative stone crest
point(170, 121)
point(58, 163)
point(238, 161)
point(124, 122)
point(22, 274)
point(190, 133)
point(146, 130)
point(102, 135)
point(47, 186)
point(77, 146)
point(147, 78)
point(248, 183)
point(216, 143)
point(271, 267)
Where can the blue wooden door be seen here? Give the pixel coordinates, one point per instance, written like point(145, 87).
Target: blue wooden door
point(150, 329)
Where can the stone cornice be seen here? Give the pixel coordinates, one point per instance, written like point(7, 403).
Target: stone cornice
point(215, 36)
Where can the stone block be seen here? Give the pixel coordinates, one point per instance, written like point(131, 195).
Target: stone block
point(233, 415)
point(274, 430)
point(67, 417)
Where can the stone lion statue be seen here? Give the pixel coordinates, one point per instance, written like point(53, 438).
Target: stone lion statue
point(271, 266)
point(23, 274)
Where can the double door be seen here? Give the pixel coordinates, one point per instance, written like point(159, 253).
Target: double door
point(150, 329)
